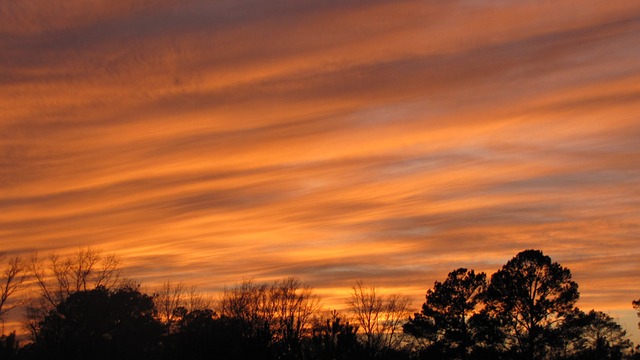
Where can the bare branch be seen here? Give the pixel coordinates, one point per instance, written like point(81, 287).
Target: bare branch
point(10, 282)
point(380, 318)
point(58, 277)
point(196, 301)
point(168, 299)
point(37, 269)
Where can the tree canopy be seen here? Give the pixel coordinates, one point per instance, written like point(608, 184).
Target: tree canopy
point(530, 296)
point(526, 310)
point(594, 335)
point(444, 319)
point(100, 324)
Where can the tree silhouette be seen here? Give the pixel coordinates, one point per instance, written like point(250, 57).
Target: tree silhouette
point(593, 335)
point(277, 315)
point(379, 317)
point(243, 310)
point(168, 299)
point(526, 312)
point(100, 324)
point(444, 319)
point(58, 277)
point(87, 268)
point(291, 304)
point(530, 296)
point(202, 334)
point(11, 280)
point(9, 346)
point(334, 340)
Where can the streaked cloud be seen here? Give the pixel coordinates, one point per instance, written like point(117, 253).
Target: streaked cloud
point(386, 141)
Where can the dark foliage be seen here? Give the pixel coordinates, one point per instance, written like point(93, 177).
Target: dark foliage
point(9, 346)
point(100, 324)
point(444, 321)
point(333, 339)
point(202, 334)
point(530, 297)
point(527, 311)
point(593, 335)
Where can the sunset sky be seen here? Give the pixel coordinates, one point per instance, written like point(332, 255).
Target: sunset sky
point(389, 141)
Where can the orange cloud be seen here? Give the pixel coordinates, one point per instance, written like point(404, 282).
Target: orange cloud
point(208, 142)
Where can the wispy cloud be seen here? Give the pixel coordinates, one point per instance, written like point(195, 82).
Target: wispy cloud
point(386, 141)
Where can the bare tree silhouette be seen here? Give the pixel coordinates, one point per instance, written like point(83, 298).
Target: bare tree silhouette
point(58, 277)
point(379, 317)
point(86, 269)
point(11, 280)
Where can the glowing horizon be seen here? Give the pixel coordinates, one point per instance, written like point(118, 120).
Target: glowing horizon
point(391, 142)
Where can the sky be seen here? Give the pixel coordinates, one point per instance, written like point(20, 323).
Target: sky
point(386, 141)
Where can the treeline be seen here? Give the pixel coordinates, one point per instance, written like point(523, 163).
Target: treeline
point(85, 309)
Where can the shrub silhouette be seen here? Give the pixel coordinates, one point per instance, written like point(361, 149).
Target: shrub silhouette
point(100, 324)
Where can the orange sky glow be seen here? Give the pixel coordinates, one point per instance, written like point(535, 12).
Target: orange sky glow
point(388, 141)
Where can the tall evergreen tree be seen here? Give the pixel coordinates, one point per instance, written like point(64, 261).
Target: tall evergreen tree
point(593, 335)
point(444, 319)
point(530, 297)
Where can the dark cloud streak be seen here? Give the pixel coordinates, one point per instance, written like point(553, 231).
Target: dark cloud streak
point(384, 141)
